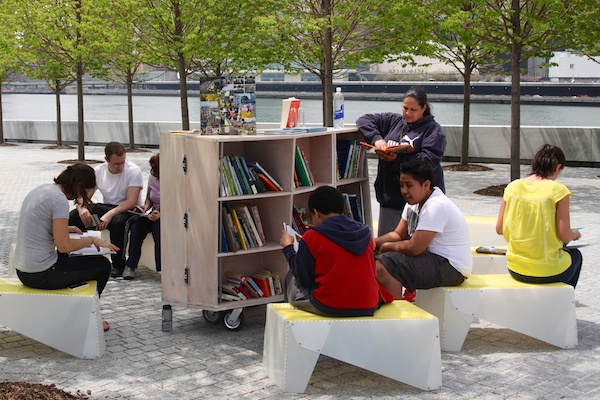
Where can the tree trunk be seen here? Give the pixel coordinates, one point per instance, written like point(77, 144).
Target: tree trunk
point(185, 116)
point(464, 151)
point(130, 109)
point(515, 101)
point(327, 70)
point(80, 128)
point(57, 89)
point(1, 119)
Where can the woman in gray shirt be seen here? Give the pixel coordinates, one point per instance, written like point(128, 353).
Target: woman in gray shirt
point(43, 240)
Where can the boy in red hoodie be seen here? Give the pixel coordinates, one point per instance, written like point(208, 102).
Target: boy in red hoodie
point(333, 273)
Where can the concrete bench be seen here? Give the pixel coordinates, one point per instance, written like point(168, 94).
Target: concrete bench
point(545, 312)
point(65, 319)
point(397, 332)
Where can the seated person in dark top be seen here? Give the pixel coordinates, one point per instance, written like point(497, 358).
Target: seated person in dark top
point(333, 273)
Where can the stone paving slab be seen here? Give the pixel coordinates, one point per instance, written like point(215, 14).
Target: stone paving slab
point(201, 361)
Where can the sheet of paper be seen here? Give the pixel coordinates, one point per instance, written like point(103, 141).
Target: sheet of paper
point(294, 234)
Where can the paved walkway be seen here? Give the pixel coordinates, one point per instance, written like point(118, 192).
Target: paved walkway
point(198, 360)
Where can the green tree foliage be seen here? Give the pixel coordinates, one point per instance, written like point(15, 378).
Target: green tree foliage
point(452, 41)
point(62, 38)
point(328, 37)
point(525, 29)
point(209, 37)
point(8, 51)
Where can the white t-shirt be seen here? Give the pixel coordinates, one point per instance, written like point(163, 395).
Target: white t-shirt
point(114, 186)
point(439, 214)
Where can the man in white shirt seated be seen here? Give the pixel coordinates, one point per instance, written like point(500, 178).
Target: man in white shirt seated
point(120, 182)
point(430, 246)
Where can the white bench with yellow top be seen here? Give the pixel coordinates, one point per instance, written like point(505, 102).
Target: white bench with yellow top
point(482, 232)
point(66, 319)
point(383, 343)
point(542, 311)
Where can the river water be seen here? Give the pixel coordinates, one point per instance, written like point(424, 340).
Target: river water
point(41, 107)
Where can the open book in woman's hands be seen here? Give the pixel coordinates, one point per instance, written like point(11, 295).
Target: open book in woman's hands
point(399, 149)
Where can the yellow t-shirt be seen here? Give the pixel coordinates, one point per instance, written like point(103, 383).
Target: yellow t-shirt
point(529, 227)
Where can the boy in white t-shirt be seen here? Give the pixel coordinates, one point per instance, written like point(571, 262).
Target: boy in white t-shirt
point(120, 183)
point(430, 246)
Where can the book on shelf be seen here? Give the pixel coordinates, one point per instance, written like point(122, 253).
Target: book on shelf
point(230, 231)
point(239, 229)
point(308, 169)
point(228, 297)
point(224, 248)
point(262, 281)
point(300, 219)
point(269, 182)
point(244, 187)
point(251, 241)
point(260, 186)
point(302, 129)
point(232, 289)
point(241, 168)
point(255, 286)
point(258, 223)
point(249, 177)
point(249, 220)
point(275, 285)
point(301, 168)
point(399, 149)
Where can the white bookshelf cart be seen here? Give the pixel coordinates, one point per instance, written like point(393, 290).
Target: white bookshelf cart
point(191, 203)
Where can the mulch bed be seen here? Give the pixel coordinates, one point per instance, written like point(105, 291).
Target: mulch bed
point(466, 168)
point(36, 391)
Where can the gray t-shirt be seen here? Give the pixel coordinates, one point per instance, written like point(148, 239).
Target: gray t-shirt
point(36, 251)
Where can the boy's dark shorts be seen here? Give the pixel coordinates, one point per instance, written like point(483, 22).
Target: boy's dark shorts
point(425, 271)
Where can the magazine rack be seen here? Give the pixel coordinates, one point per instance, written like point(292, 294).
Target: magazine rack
point(191, 203)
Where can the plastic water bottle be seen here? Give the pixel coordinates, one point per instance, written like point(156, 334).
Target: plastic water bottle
point(167, 318)
point(338, 108)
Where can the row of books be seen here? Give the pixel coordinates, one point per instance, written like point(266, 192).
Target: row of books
point(352, 207)
point(303, 175)
point(239, 177)
point(262, 283)
point(352, 159)
point(241, 228)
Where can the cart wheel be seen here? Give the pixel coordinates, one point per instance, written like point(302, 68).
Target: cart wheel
point(234, 320)
point(212, 317)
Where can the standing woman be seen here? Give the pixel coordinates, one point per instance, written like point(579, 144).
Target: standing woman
point(415, 126)
point(147, 224)
point(43, 241)
point(534, 219)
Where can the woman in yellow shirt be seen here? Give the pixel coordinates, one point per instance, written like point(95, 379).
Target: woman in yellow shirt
point(534, 219)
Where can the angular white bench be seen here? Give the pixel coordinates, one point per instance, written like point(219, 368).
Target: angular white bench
point(397, 332)
point(545, 312)
point(65, 319)
point(482, 232)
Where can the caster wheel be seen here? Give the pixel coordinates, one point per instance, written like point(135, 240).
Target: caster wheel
point(212, 317)
point(233, 320)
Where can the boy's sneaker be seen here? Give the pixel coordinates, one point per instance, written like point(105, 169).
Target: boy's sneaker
point(115, 272)
point(409, 295)
point(128, 274)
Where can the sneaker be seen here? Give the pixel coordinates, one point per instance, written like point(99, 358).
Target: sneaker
point(116, 272)
point(128, 274)
point(409, 295)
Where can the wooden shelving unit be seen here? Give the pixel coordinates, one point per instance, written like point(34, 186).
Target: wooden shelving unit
point(191, 205)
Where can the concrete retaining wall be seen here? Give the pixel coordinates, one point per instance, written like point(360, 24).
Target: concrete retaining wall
point(487, 143)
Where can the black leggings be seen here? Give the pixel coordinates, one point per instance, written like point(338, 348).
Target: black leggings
point(68, 271)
